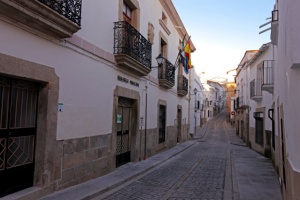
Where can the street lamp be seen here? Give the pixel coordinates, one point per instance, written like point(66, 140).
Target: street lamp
point(195, 91)
point(159, 59)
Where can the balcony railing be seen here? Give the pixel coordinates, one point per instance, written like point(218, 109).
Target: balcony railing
point(182, 88)
point(56, 18)
point(241, 103)
point(268, 72)
point(255, 89)
point(132, 50)
point(268, 75)
point(71, 9)
point(166, 74)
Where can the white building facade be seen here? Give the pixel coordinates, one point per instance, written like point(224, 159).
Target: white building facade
point(274, 79)
point(261, 83)
point(285, 30)
point(197, 97)
point(83, 90)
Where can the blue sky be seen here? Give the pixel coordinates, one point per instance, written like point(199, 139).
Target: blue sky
point(222, 30)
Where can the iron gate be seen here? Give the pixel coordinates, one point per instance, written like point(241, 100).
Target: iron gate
point(18, 106)
point(123, 131)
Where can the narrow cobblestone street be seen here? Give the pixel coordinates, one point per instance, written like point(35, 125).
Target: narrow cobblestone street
point(218, 166)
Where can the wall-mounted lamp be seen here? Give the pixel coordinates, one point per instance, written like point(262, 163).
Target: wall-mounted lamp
point(159, 59)
point(195, 91)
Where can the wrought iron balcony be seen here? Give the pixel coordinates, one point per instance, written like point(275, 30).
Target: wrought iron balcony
point(57, 18)
point(268, 76)
point(240, 103)
point(166, 74)
point(70, 9)
point(182, 87)
point(132, 50)
point(255, 89)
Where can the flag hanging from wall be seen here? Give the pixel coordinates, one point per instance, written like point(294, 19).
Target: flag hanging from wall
point(187, 51)
point(184, 55)
point(183, 58)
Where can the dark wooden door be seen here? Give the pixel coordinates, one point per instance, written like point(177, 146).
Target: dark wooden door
point(18, 106)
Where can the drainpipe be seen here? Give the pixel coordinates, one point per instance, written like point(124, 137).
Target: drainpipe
point(271, 117)
point(146, 101)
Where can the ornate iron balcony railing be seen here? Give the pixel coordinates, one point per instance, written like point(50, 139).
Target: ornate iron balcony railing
point(182, 86)
point(255, 87)
point(127, 40)
point(167, 72)
point(71, 9)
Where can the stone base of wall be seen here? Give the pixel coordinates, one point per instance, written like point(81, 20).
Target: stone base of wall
point(153, 145)
point(256, 147)
point(85, 159)
point(185, 133)
point(291, 191)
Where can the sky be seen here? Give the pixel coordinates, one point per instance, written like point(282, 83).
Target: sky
point(222, 30)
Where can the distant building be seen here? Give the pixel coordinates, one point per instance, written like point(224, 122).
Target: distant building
point(241, 103)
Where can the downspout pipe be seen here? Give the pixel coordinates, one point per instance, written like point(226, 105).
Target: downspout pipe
point(146, 102)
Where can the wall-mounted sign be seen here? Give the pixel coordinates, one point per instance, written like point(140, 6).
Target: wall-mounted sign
point(134, 83)
point(119, 119)
point(60, 107)
point(125, 80)
point(141, 121)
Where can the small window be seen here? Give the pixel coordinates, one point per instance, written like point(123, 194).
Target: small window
point(164, 18)
point(163, 48)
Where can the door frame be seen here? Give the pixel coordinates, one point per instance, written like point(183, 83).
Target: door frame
point(135, 151)
point(48, 150)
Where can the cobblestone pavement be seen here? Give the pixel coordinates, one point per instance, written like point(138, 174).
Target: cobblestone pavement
point(204, 171)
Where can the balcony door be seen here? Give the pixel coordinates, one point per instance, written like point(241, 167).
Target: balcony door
point(18, 109)
point(127, 13)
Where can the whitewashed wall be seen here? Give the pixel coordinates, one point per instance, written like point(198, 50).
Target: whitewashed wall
point(87, 82)
point(267, 98)
point(288, 76)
